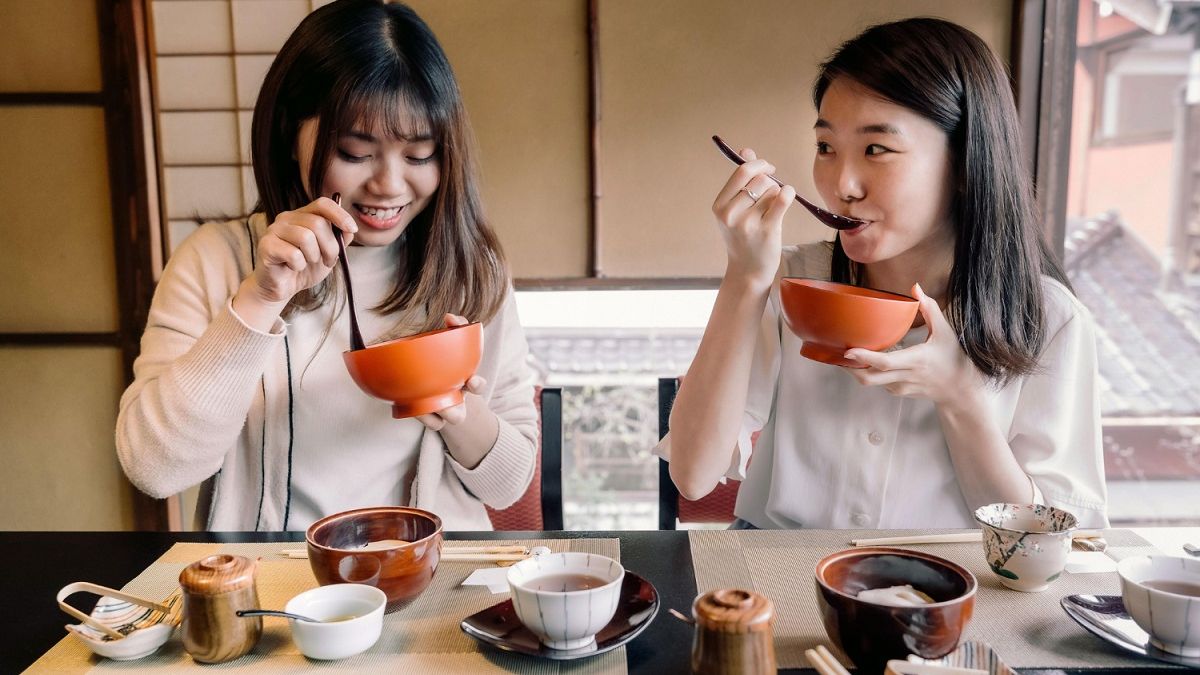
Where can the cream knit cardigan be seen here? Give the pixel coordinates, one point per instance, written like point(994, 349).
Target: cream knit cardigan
point(211, 402)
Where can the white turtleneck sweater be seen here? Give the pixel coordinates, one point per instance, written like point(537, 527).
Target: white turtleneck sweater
point(273, 424)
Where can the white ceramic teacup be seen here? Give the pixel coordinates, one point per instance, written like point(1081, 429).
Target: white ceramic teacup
point(1026, 545)
point(354, 613)
point(1171, 618)
point(563, 618)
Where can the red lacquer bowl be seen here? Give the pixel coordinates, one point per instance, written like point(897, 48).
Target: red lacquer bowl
point(421, 373)
point(831, 318)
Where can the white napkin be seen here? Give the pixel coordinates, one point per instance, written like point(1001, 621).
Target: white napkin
point(495, 578)
point(1087, 562)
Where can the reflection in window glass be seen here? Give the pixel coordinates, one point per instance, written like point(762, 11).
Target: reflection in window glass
point(1131, 254)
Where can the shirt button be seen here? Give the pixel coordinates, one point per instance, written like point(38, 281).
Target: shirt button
point(875, 437)
point(860, 519)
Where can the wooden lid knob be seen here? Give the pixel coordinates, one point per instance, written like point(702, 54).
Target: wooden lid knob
point(219, 573)
point(733, 610)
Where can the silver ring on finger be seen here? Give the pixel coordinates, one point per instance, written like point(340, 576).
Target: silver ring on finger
point(754, 196)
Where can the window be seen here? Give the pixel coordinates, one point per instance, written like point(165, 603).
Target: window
point(1130, 236)
point(1139, 87)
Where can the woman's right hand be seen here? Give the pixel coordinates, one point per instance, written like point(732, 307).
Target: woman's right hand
point(297, 252)
point(753, 229)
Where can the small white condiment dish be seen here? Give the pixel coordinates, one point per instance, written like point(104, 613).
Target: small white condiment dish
point(337, 636)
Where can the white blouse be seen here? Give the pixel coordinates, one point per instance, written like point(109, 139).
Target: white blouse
point(837, 454)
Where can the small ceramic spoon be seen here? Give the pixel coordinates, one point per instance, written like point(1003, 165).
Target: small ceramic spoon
point(831, 219)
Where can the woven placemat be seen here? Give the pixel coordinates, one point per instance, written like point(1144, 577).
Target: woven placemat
point(1026, 629)
point(424, 637)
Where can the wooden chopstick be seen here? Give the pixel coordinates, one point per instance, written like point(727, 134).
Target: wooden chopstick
point(486, 549)
point(483, 557)
point(955, 538)
point(951, 538)
point(824, 662)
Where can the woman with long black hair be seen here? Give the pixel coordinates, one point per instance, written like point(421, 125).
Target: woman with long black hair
point(990, 397)
point(240, 382)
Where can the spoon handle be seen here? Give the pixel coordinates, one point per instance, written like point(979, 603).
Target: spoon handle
point(356, 341)
point(273, 612)
point(829, 218)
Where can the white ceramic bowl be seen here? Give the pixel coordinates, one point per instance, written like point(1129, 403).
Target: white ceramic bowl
point(338, 639)
point(1026, 545)
point(1171, 619)
point(565, 619)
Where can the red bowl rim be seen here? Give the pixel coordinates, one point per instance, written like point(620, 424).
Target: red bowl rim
point(892, 297)
point(308, 534)
point(973, 584)
point(415, 336)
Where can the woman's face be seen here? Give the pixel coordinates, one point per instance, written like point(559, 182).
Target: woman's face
point(385, 182)
point(887, 165)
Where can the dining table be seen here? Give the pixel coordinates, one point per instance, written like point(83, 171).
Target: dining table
point(35, 565)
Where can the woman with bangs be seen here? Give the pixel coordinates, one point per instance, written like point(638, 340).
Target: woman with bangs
point(992, 394)
point(240, 384)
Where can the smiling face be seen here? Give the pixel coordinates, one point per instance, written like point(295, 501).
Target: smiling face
point(384, 181)
point(887, 165)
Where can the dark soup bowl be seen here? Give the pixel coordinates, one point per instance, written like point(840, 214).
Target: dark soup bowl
point(871, 633)
point(402, 569)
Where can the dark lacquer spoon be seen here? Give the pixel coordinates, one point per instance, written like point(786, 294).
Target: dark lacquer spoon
point(831, 219)
point(273, 612)
point(356, 341)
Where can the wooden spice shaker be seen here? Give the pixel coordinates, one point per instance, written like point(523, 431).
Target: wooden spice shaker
point(734, 633)
point(214, 589)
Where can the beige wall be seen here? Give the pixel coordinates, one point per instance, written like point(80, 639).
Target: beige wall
point(57, 403)
point(522, 67)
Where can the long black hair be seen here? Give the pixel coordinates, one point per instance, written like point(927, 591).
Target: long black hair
point(374, 64)
point(948, 75)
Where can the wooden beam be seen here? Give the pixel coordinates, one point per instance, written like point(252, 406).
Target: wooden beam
point(593, 44)
point(123, 56)
point(60, 339)
point(1043, 72)
point(81, 98)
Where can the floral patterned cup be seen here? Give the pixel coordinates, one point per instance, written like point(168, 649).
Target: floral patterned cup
point(1026, 544)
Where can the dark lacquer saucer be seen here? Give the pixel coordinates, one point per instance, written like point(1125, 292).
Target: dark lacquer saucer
point(499, 626)
point(1105, 617)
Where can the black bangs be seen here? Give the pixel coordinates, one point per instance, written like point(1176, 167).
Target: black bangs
point(391, 106)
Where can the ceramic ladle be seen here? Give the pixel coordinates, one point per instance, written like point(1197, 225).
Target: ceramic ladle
point(831, 219)
point(356, 341)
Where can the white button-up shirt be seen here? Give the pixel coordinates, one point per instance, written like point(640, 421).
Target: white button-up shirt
point(837, 454)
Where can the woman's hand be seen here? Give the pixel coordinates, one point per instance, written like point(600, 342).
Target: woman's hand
point(750, 210)
point(937, 369)
point(456, 414)
point(297, 252)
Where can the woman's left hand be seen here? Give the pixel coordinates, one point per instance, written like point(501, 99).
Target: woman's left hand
point(455, 414)
point(937, 369)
